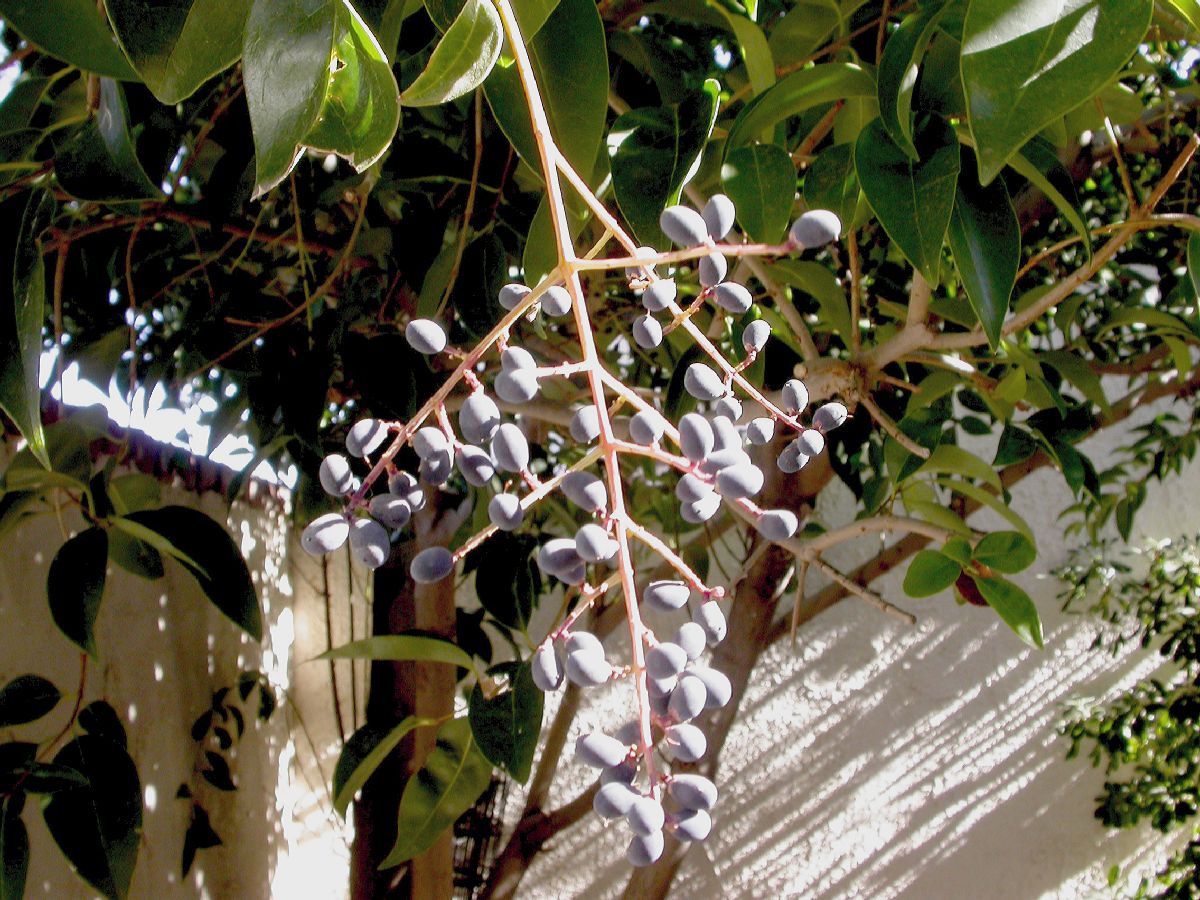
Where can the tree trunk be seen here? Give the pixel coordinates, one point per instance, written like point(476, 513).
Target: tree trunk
point(398, 690)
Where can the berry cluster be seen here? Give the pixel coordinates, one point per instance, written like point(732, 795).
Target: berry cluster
point(714, 466)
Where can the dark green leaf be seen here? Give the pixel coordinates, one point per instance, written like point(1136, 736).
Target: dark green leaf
point(396, 647)
point(176, 47)
point(653, 151)
point(75, 586)
point(929, 573)
point(71, 30)
point(956, 460)
point(817, 86)
point(100, 162)
point(454, 775)
point(14, 851)
point(135, 556)
point(1193, 261)
point(1016, 445)
point(506, 726)
point(16, 759)
point(99, 719)
point(462, 59)
point(1005, 551)
point(898, 68)
point(817, 281)
point(913, 200)
point(206, 550)
point(985, 238)
point(200, 835)
point(832, 183)
point(98, 827)
point(1014, 607)
point(571, 64)
point(507, 580)
point(1024, 65)
point(25, 699)
point(752, 43)
point(217, 774)
point(363, 753)
point(47, 778)
point(761, 181)
point(1038, 162)
point(21, 332)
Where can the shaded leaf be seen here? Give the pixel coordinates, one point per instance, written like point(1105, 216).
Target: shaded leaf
point(913, 200)
point(14, 851)
point(75, 586)
point(1013, 605)
point(761, 181)
point(176, 47)
point(25, 699)
point(1193, 261)
point(87, 42)
point(1038, 162)
point(832, 183)
point(100, 161)
point(898, 69)
point(817, 86)
point(957, 461)
point(817, 281)
point(1026, 64)
point(454, 775)
point(396, 647)
point(506, 727)
point(363, 753)
point(199, 836)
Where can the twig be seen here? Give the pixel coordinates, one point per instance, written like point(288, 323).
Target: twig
point(888, 424)
point(469, 208)
point(801, 577)
point(865, 593)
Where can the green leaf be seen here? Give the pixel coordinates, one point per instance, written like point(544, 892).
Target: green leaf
point(1014, 607)
point(506, 726)
point(817, 86)
point(1016, 445)
point(985, 238)
point(507, 580)
point(817, 281)
point(1076, 370)
point(1189, 10)
point(832, 183)
point(1193, 261)
point(98, 827)
point(991, 501)
point(761, 181)
point(131, 493)
point(100, 161)
point(570, 63)
point(206, 550)
point(21, 333)
point(364, 752)
point(1038, 162)
point(1026, 64)
point(958, 549)
point(929, 573)
point(957, 461)
point(462, 59)
point(315, 77)
point(913, 200)
point(26, 699)
point(75, 586)
point(1005, 551)
point(14, 851)
point(803, 29)
point(176, 47)
point(71, 30)
point(453, 777)
point(396, 647)
point(653, 152)
point(898, 70)
point(752, 43)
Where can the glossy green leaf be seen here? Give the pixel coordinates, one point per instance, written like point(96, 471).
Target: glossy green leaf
point(803, 90)
point(98, 827)
point(653, 152)
point(396, 647)
point(75, 586)
point(986, 498)
point(1189, 10)
point(454, 775)
point(315, 77)
point(100, 162)
point(913, 200)
point(570, 62)
point(804, 27)
point(817, 281)
point(761, 181)
point(1025, 64)
point(1038, 162)
point(25, 699)
point(205, 549)
point(929, 573)
point(506, 727)
point(462, 59)
point(1005, 551)
point(363, 753)
point(14, 851)
point(985, 238)
point(1016, 445)
point(832, 183)
point(1077, 371)
point(1013, 605)
point(23, 100)
point(71, 30)
point(21, 331)
point(753, 46)
point(176, 47)
point(957, 461)
point(898, 70)
point(1193, 261)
